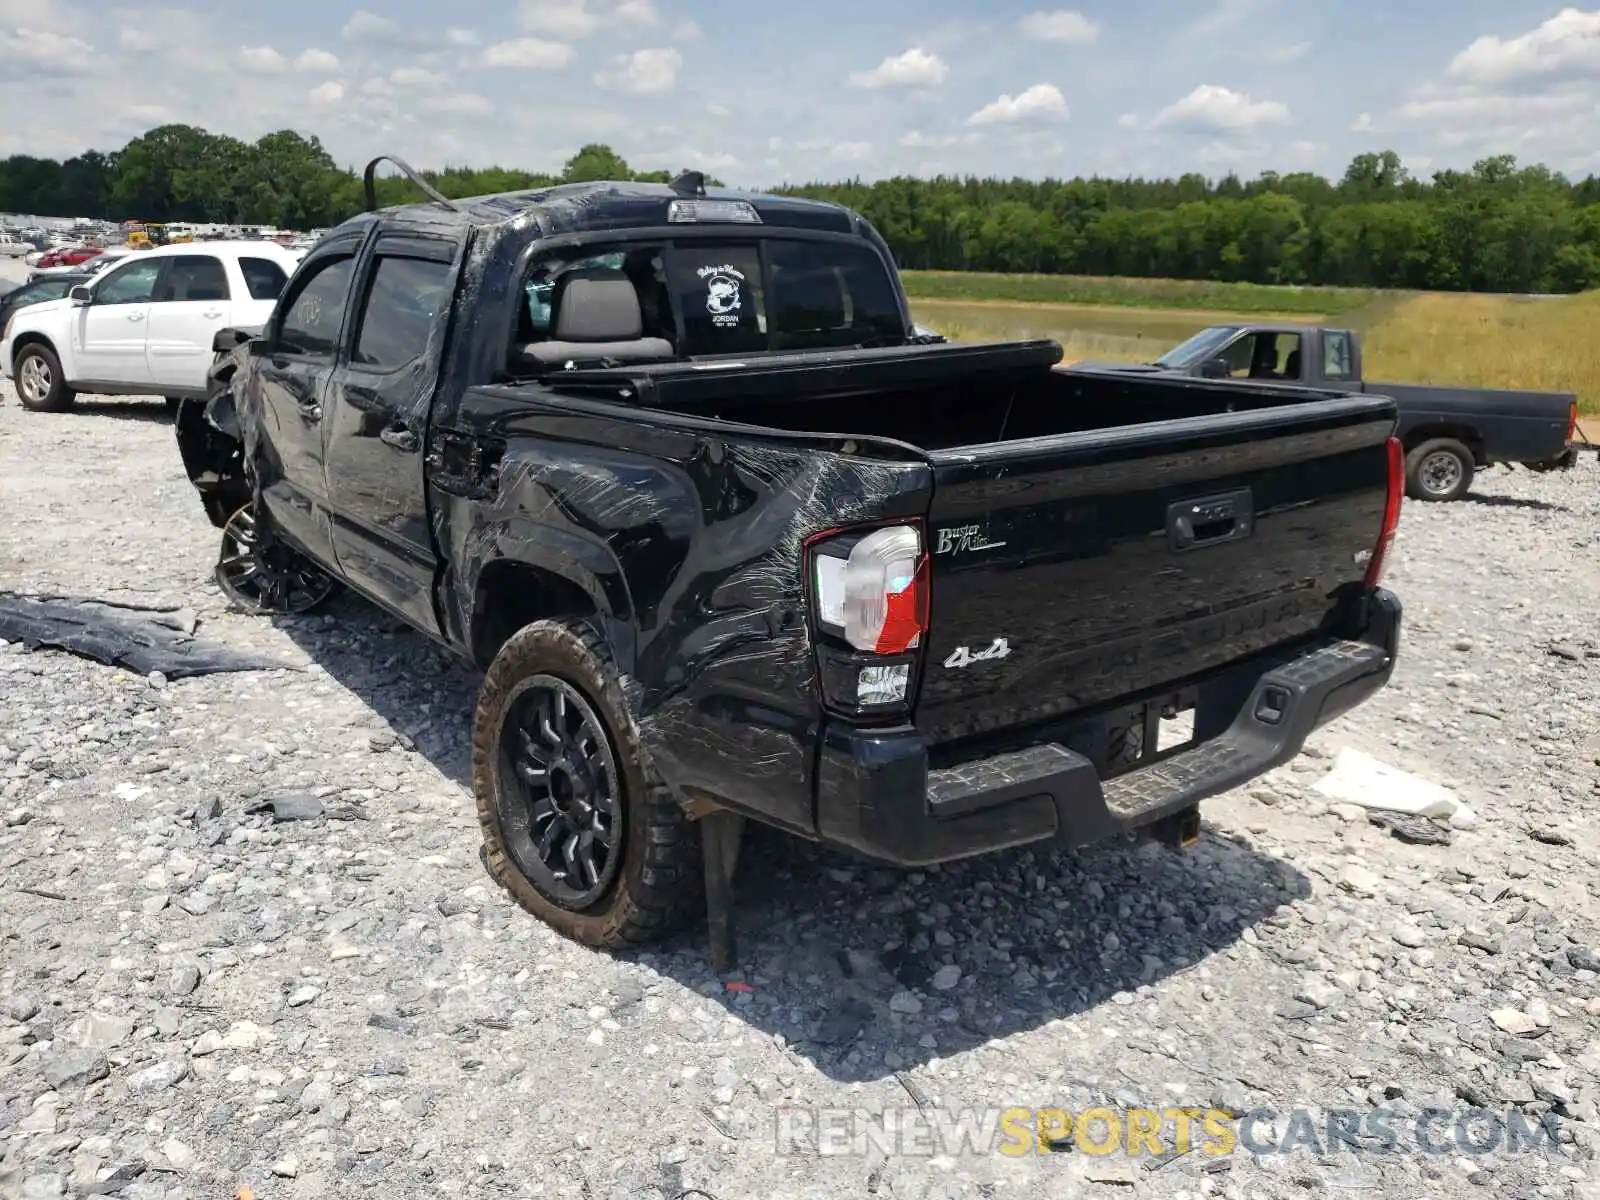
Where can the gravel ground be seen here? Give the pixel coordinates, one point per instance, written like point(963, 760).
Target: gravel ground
point(193, 998)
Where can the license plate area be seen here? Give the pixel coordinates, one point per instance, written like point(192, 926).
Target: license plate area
point(1137, 735)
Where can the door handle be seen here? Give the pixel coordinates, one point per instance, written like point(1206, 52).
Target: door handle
point(311, 412)
point(211, 314)
point(136, 316)
point(400, 438)
point(1210, 520)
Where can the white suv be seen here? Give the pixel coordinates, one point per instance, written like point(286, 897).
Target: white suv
point(144, 326)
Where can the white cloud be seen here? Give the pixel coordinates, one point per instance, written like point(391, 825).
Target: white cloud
point(1223, 16)
point(1041, 102)
point(1362, 123)
point(265, 60)
point(1062, 25)
point(718, 110)
point(262, 59)
point(852, 151)
point(42, 50)
point(573, 19)
point(326, 93)
point(1218, 110)
point(529, 54)
point(637, 12)
point(465, 103)
point(561, 18)
point(915, 68)
point(686, 158)
point(461, 37)
point(916, 140)
point(415, 77)
point(314, 60)
point(1531, 95)
point(368, 26)
point(1286, 54)
point(642, 72)
point(1128, 121)
point(1565, 46)
point(1434, 105)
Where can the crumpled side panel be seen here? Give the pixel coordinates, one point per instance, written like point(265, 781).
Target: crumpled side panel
point(691, 545)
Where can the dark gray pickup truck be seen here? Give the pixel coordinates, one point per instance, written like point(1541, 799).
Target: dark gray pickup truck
point(732, 540)
point(1448, 432)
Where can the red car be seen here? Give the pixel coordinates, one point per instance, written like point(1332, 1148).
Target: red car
point(70, 256)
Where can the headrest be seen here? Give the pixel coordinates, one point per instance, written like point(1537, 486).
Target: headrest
point(596, 304)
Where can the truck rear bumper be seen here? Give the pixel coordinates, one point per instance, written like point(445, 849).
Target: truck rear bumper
point(877, 795)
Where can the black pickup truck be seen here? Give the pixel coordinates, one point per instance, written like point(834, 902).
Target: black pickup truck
point(732, 540)
point(1447, 432)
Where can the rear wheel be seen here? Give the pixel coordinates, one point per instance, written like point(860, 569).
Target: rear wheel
point(1439, 469)
point(41, 385)
point(261, 575)
point(576, 824)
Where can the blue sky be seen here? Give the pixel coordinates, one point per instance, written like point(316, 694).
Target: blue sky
point(825, 89)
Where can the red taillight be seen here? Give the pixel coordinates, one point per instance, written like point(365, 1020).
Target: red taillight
point(1391, 512)
point(905, 617)
point(869, 593)
point(871, 589)
point(1572, 420)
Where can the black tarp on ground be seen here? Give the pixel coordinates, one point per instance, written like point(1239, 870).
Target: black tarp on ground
point(121, 635)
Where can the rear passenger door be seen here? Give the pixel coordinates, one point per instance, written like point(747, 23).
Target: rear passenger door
point(190, 304)
point(377, 420)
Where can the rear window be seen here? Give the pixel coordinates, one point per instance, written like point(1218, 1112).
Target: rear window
point(830, 294)
point(263, 277)
point(194, 277)
point(812, 295)
point(718, 289)
point(733, 297)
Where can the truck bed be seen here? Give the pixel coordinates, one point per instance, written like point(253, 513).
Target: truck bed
point(1121, 534)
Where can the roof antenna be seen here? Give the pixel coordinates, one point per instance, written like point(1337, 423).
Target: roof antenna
point(689, 183)
point(369, 183)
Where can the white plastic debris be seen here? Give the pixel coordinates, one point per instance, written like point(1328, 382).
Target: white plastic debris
point(1359, 778)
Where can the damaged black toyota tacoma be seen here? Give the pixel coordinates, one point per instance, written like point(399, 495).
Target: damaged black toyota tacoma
point(731, 538)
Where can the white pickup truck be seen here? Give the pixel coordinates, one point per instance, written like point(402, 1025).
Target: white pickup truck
point(143, 327)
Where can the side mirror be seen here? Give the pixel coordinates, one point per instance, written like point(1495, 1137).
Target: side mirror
point(80, 295)
point(1215, 368)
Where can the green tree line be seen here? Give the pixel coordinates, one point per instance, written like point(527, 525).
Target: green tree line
point(1498, 227)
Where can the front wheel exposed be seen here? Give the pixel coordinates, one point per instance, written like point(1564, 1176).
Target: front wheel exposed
point(41, 383)
point(261, 575)
point(576, 825)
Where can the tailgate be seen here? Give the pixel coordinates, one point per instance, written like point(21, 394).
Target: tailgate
point(1073, 570)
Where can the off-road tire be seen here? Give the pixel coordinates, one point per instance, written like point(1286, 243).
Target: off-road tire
point(1423, 473)
point(59, 398)
point(660, 884)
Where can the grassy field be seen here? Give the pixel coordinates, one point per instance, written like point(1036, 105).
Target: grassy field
point(1430, 337)
point(1261, 299)
point(1491, 341)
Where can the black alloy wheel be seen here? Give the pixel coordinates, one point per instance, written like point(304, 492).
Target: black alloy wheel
point(559, 799)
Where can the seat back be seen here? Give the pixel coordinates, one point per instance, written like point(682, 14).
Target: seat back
point(596, 316)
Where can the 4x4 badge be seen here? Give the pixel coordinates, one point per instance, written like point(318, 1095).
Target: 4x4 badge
point(962, 657)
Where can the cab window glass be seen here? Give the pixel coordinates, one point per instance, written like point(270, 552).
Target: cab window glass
point(718, 289)
point(311, 325)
